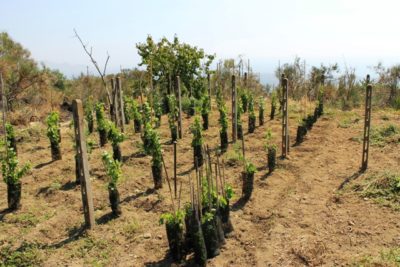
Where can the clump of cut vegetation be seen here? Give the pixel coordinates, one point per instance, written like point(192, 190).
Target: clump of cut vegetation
point(384, 135)
point(54, 134)
point(235, 155)
point(387, 257)
point(383, 187)
point(28, 254)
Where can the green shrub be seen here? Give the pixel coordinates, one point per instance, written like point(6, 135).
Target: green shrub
point(205, 105)
point(268, 140)
point(223, 118)
point(128, 106)
point(396, 103)
point(53, 127)
point(113, 170)
point(244, 97)
point(173, 218)
point(114, 134)
point(102, 124)
point(146, 113)
point(9, 167)
point(250, 168)
point(196, 129)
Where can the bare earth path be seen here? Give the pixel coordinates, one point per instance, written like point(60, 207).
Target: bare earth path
point(295, 217)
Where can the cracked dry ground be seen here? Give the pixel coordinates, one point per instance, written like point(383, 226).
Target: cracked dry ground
point(295, 217)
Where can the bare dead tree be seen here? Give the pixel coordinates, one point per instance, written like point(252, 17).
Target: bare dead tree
point(96, 65)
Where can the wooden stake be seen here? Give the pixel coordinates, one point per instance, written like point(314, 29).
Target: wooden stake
point(86, 188)
point(4, 108)
point(175, 168)
point(120, 110)
point(367, 125)
point(199, 188)
point(169, 184)
point(114, 108)
point(178, 85)
point(285, 127)
point(234, 110)
point(209, 89)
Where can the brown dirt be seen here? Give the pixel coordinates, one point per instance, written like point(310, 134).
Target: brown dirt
point(295, 217)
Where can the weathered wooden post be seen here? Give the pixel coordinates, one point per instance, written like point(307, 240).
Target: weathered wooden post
point(209, 89)
point(245, 79)
point(120, 98)
point(4, 108)
point(367, 125)
point(178, 86)
point(86, 189)
point(175, 182)
point(285, 126)
point(114, 103)
point(234, 110)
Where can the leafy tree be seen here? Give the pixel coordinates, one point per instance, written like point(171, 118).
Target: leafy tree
point(167, 59)
point(19, 70)
point(389, 77)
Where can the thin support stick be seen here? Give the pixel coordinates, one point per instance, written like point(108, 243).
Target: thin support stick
point(169, 184)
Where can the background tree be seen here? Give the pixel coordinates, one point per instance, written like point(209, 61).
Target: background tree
point(19, 70)
point(167, 59)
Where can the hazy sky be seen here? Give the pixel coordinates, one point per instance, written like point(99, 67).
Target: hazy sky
point(358, 33)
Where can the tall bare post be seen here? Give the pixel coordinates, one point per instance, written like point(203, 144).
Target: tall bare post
point(367, 125)
point(178, 86)
point(114, 103)
point(175, 186)
point(234, 110)
point(209, 88)
point(285, 126)
point(245, 79)
point(4, 108)
point(120, 110)
point(86, 189)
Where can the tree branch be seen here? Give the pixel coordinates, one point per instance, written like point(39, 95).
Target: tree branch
point(102, 74)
